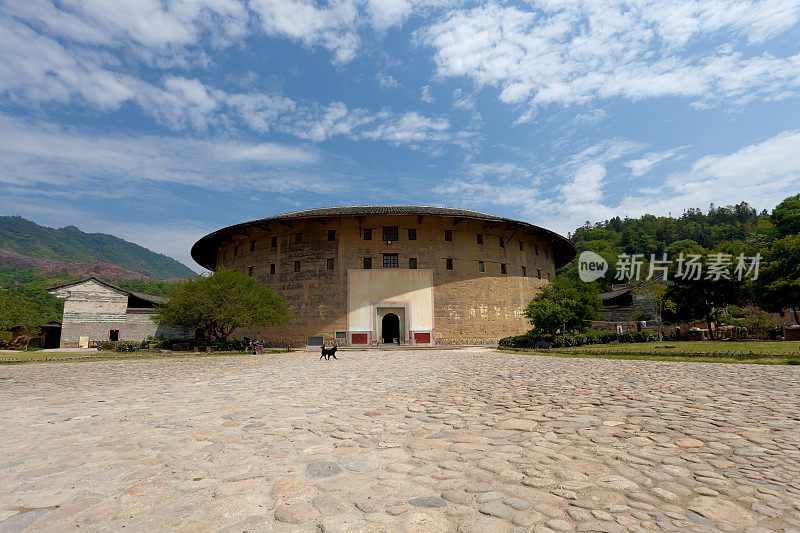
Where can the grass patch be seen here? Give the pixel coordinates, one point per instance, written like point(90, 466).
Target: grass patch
point(13, 358)
point(767, 352)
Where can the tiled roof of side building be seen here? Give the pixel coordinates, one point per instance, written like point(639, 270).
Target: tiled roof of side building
point(146, 297)
point(204, 250)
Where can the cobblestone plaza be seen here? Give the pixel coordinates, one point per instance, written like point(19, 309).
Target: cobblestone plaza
point(416, 440)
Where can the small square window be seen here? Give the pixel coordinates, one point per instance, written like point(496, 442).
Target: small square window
point(521, 246)
point(235, 250)
point(368, 234)
point(298, 238)
point(538, 274)
point(502, 243)
point(274, 242)
point(331, 264)
point(367, 263)
point(272, 268)
point(481, 267)
point(331, 235)
point(341, 335)
point(390, 233)
point(412, 234)
point(252, 246)
point(536, 249)
point(448, 235)
point(502, 268)
point(412, 263)
point(297, 266)
point(524, 272)
point(480, 238)
point(390, 261)
point(250, 271)
point(448, 263)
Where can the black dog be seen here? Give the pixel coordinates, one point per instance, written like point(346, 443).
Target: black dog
point(327, 353)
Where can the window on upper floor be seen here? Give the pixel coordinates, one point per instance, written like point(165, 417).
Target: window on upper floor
point(368, 234)
point(298, 238)
point(272, 268)
point(521, 246)
point(367, 263)
point(503, 268)
point(448, 235)
point(412, 263)
point(274, 242)
point(502, 243)
point(297, 266)
point(481, 267)
point(252, 246)
point(250, 271)
point(390, 233)
point(235, 251)
point(448, 264)
point(480, 238)
point(330, 264)
point(331, 235)
point(412, 234)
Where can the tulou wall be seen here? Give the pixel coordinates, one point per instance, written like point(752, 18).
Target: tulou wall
point(474, 289)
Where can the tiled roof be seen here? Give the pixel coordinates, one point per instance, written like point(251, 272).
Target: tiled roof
point(146, 297)
point(204, 250)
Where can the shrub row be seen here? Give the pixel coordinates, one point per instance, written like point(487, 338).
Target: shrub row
point(533, 340)
point(118, 346)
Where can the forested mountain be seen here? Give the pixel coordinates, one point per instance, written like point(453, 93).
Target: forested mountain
point(24, 238)
point(732, 229)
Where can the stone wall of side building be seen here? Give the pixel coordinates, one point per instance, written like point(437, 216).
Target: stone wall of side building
point(92, 309)
point(470, 307)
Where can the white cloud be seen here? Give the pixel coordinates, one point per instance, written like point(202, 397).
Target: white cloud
point(79, 164)
point(645, 164)
point(427, 97)
point(576, 52)
point(318, 124)
point(761, 174)
point(387, 81)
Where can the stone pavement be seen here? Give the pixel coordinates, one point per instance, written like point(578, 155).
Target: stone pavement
point(468, 440)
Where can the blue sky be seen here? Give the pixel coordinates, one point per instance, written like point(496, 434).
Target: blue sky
point(161, 121)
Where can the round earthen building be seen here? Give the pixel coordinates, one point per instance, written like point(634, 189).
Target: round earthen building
point(418, 275)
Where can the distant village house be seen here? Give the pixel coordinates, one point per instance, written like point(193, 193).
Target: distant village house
point(95, 310)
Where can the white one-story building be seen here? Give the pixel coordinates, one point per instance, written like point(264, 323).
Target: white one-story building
point(95, 310)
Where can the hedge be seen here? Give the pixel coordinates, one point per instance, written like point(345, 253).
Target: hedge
point(532, 340)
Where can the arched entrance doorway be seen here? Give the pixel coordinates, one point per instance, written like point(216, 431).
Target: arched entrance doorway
point(390, 327)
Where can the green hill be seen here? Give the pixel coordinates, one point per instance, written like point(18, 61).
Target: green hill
point(69, 244)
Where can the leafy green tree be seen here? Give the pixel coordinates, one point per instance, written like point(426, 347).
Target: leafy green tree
point(778, 283)
point(786, 216)
point(18, 310)
point(565, 305)
point(651, 298)
point(220, 303)
point(704, 298)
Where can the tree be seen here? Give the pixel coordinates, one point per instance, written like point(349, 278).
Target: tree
point(786, 216)
point(220, 303)
point(704, 298)
point(564, 305)
point(778, 283)
point(18, 310)
point(650, 297)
